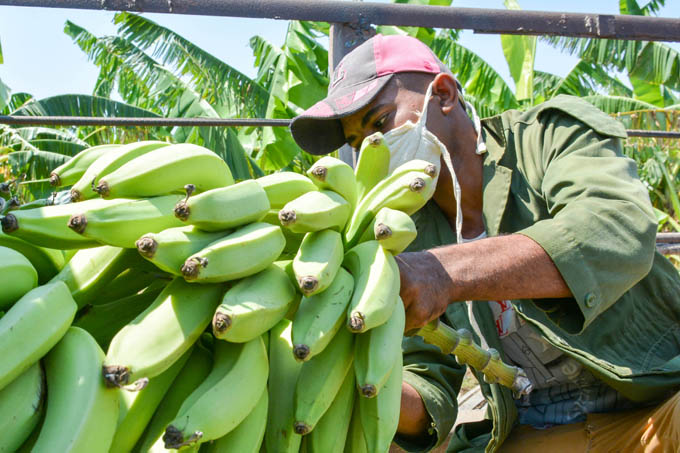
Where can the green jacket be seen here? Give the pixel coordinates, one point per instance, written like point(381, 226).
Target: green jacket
point(556, 174)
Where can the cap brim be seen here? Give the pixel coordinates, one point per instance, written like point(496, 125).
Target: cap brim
point(318, 130)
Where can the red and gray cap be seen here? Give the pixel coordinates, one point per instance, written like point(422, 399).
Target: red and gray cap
point(357, 79)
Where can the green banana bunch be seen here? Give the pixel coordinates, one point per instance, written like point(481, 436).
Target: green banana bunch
point(137, 408)
point(320, 380)
point(105, 164)
point(81, 412)
point(329, 173)
point(70, 172)
point(318, 260)
point(166, 170)
point(407, 189)
point(253, 305)
point(319, 317)
point(17, 276)
point(124, 221)
point(330, 433)
point(224, 208)
point(239, 371)
point(169, 248)
point(315, 211)
point(33, 325)
point(159, 336)
point(195, 370)
point(395, 230)
point(380, 415)
point(248, 435)
point(104, 321)
point(283, 374)
point(21, 406)
point(375, 353)
point(285, 186)
point(355, 443)
point(376, 285)
point(373, 164)
point(48, 226)
point(90, 270)
point(259, 243)
point(47, 262)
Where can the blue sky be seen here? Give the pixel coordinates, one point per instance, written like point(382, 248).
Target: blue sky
point(42, 60)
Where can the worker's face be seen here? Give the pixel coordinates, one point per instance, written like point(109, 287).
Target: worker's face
point(391, 108)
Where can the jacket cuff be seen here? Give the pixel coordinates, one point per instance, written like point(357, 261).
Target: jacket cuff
point(442, 414)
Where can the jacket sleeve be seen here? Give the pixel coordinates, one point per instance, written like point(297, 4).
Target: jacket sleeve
point(601, 231)
point(437, 379)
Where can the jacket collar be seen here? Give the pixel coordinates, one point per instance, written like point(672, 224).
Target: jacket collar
point(496, 176)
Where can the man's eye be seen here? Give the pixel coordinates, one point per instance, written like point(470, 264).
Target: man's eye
point(380, 122)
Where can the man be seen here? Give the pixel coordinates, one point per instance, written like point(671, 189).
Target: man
point(557, 233)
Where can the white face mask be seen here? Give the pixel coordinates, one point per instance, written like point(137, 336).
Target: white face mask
point(413, 141)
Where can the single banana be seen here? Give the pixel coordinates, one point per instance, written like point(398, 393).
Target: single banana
point(380, 415)
point(104, 321)
point(81, 412)
point(194, 372)
point(375, 353)
point(407, 189)
point(283, 374)
point(225, 207)
point(137, 408)
point(315, 211)
point(112, 160)
point(373, 164)
point(253, 305)
point(48, 226)
point(287, 267)
point(320, 380)
point(71, 171)
point(318, 260)
point(32, 327)
point(285, 186)
point(130, 282)
point(330, 434)
point(90, 270)
point(17, 276)
point(319, 317)
point(248, 435)
point(333, 174)
point(248, 250)
point(21, 406)
point(376, 286)
point(46, 261)
point(293, 240)
point(125, 221)
point(166, 170)
point(394, 229)
point(225, 398)
point(159, 336)
point(169, 248)
point(355, 443)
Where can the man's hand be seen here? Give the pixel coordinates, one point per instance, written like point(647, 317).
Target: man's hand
point(423, 288)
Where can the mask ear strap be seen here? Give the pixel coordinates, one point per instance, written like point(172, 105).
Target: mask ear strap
point(481, 146)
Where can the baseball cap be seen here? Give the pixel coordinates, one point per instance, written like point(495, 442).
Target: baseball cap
point(356, 81)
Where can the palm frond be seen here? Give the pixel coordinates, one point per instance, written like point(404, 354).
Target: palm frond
point(215, 80)
point(618, 104)
point(632, 7)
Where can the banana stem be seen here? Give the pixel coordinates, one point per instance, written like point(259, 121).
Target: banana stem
point(467, 352)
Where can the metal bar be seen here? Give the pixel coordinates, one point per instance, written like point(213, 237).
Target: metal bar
point(654, 134)
point(202, 122)
point(668, 238)
point(477, 19)
point(668, 249)
point(138, 121)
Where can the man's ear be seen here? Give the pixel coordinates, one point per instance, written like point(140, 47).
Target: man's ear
point(445, 88)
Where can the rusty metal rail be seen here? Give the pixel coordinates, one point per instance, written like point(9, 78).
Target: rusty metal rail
point(480, 20)
point(203, 122)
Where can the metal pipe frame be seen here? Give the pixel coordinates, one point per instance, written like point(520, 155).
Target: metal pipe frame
point(509, 22)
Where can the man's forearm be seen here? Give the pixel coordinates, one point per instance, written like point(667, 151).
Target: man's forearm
point(498, 268)
point(413, 417)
